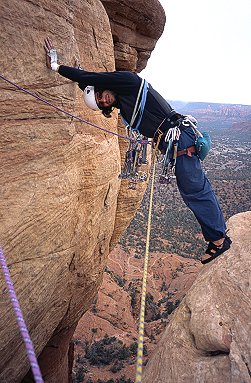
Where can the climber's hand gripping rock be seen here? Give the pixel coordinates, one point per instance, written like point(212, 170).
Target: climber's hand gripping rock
point(51, 55)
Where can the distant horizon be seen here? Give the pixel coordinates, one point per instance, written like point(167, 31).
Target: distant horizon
point(208, 102)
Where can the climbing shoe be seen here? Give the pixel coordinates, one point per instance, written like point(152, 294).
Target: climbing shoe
point(214, 251)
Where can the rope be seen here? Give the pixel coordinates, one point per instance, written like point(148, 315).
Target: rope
point(21, 323)
point(143, 295)
point(68, 113)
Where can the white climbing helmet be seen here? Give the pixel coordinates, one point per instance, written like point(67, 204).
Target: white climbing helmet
point(89, 98)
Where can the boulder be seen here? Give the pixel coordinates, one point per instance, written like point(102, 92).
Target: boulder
point(208, 338)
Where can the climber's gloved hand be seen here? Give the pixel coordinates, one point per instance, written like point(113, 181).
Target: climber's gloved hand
point(51, 55)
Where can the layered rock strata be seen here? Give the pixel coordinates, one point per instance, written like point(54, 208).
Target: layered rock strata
point(59, 179)
point(136, 26)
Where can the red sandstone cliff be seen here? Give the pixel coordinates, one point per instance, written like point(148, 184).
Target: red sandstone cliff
point(59, 178)
point(208, 338)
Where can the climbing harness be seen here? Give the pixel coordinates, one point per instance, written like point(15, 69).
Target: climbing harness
point(136, 153)
point(21, 323)
point(188, 151)
point(200, 148)
point(143, 294)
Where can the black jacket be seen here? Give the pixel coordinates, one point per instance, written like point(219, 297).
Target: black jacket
point(126, 85)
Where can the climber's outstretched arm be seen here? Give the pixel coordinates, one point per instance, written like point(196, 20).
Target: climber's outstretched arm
point(120, 82)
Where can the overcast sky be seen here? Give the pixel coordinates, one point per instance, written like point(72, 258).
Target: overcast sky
point(204, 53)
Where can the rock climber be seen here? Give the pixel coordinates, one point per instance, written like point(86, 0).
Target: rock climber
point(105, 91)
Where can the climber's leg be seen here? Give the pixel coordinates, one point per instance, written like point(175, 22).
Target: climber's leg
point(197, 191)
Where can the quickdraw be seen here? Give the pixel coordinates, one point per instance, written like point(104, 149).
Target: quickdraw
point(170, 156)
point(136, 154)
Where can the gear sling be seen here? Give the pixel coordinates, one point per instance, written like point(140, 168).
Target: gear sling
point(137, 149)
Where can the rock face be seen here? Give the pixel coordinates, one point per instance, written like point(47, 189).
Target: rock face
point(59, 179)
point(208, 338)
point(136, 26)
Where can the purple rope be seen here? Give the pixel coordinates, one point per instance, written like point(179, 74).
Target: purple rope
point(68, 113)
point(21, 323)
